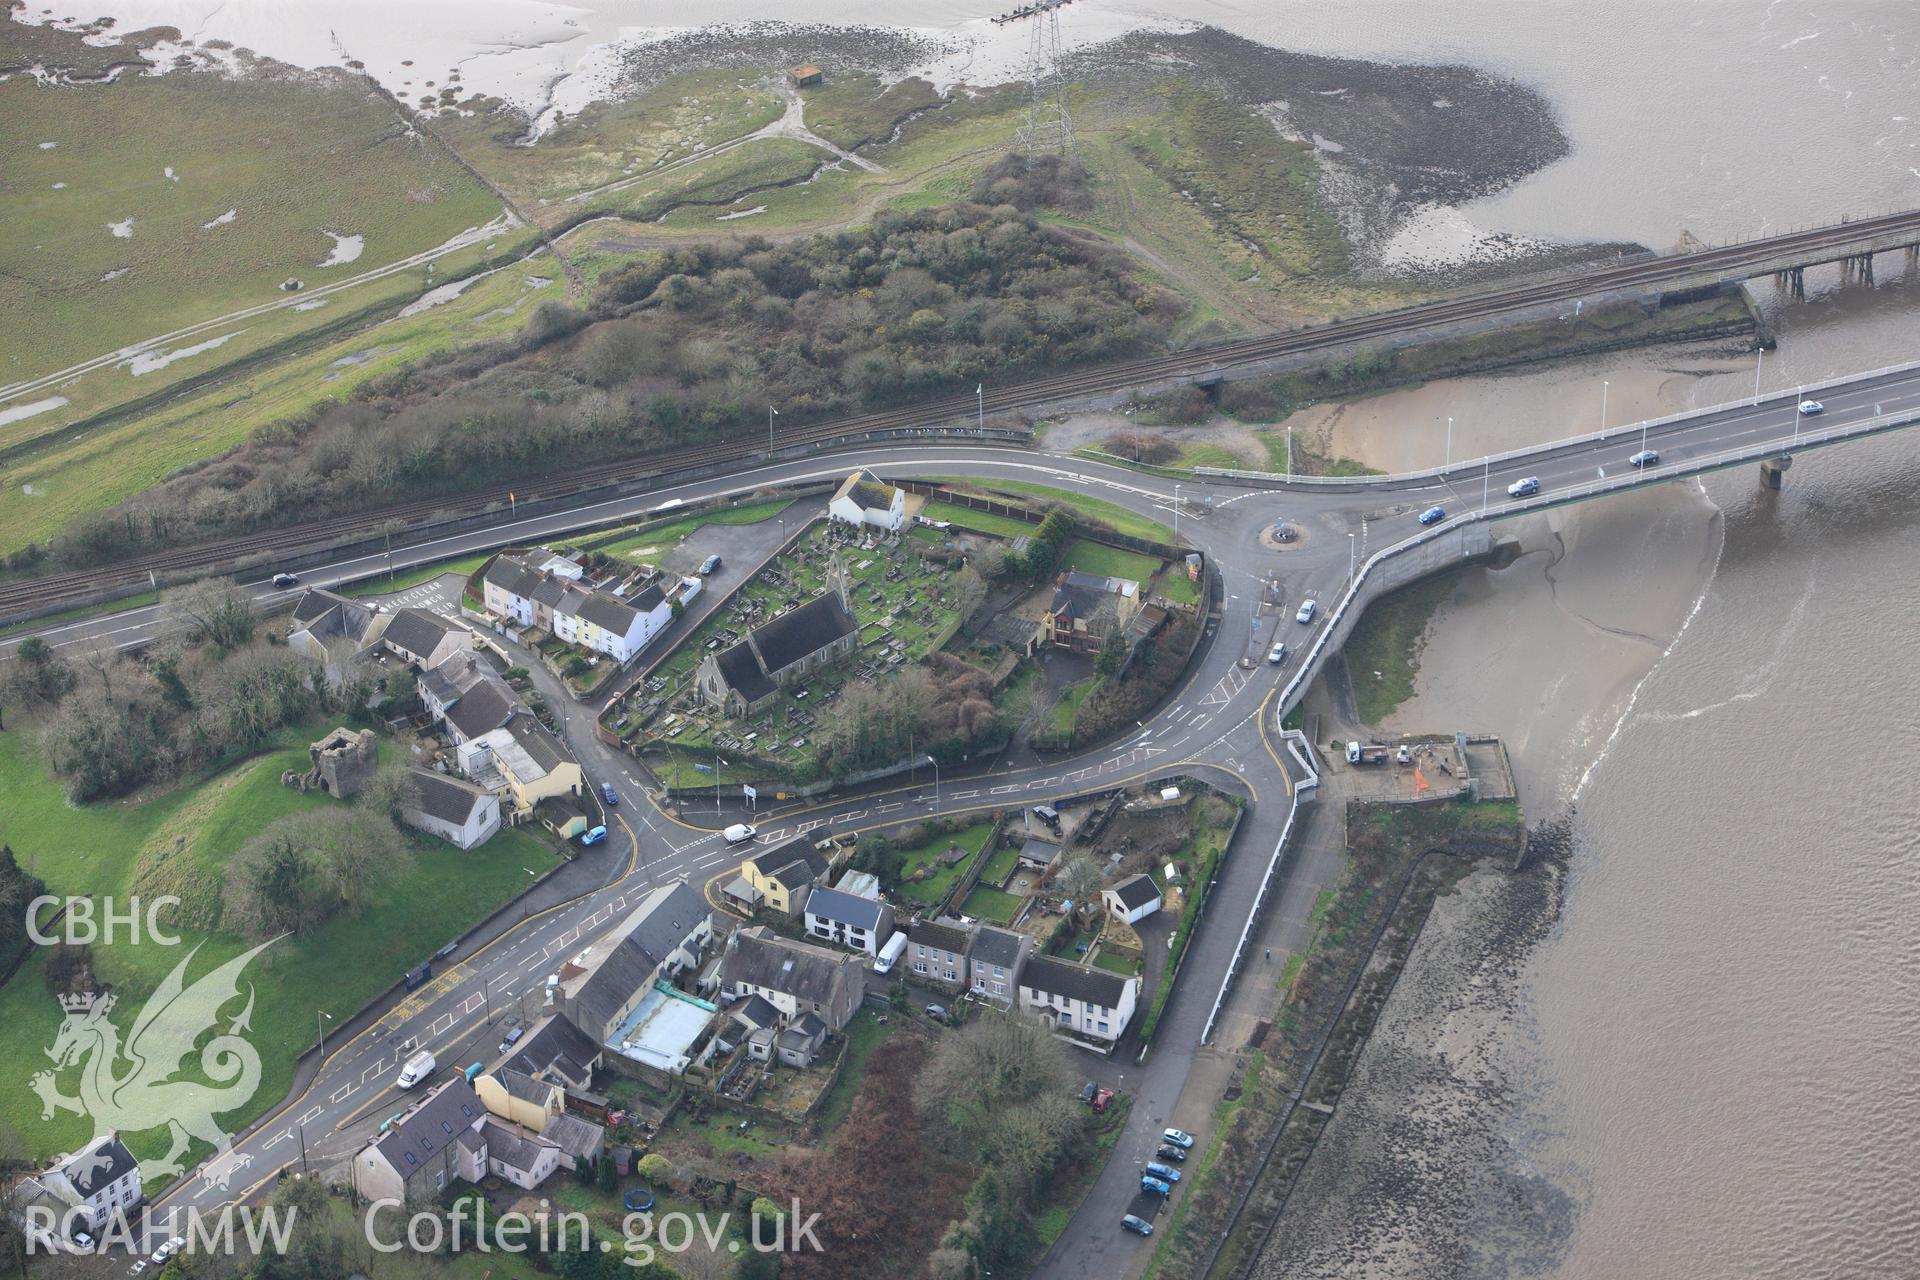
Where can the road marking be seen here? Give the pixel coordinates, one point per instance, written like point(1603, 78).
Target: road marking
point(373, 1070)
point(278, 1137)
point(309, 1115)
point(1001, 791)
point(340, 1095)
point(965, 795)
point(441, 1025)
point(889, 808)
point(473, 1002)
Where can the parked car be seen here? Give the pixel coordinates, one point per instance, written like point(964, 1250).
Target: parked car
point(1137, 1224)
point(285, 580)
point(1047, 814)
point(938, 1012)
point(739, 833)
point(593, 836)
point(1433, 515)
point(1165, 1173)
point(1524, 488)
point(1155, 1186)
point(1277, 654)
point(1178, 1138)
point(1101, 1101)
point(1808, 408)
point(1307, 609)
point(608, 794)
point(1175, 1154)
point(1645, 458)
point(710, 566)
point(166, 1250)
point(1088, 1091)
point(512, 1037)
point(82, 1241)
point(418, 1068)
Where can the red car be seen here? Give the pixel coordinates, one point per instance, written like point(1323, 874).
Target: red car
point(1101, 1099)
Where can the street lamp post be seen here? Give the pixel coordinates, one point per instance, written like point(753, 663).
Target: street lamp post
point(322, 1029)
point(980, 397)
point(1176, 513)
point(1449, 461)
point(772, 413)
point(1352, 552)
point(936, 779)
point(1759, 359)
point(1486, 472)
point(1603, 410)
point(1289, 455)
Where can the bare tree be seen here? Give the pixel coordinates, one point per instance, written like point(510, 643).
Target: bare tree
point(979, 1071)
point(1078, 878)
point(969, 592)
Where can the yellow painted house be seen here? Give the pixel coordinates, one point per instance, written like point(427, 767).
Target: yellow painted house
point(778, 879)
point(517, 1096)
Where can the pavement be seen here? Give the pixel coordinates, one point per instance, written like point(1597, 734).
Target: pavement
point(1218, 724)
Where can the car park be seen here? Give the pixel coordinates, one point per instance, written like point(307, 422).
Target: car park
point(1178, 1138)
point(1645, 458)
point(1155, 1186)
point(1169, 1152)
point(1137, 1224)
point(1808, 408)
point(1433, 515)
point(739, 833)
point(285, 580)
point(1277, 654)
point(1307, 609)
point(608, 794)
point(1163, 1172)
point(1524, 488)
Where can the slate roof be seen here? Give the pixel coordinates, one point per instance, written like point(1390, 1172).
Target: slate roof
point(797, 633)
point(758, 958)
point(323, 615)
point(757, 1013)
point(99, 1164)
point(519, 1084)
point(868, 490)
point(659, 925)
point(578, 1138)
point(792, 862)
point(548, 591)
point(846, 908)
point(431, 1127)
point(559, 1044)
point(537, 742)
point(651, 597)
point(513, 575)
point(940, 937)
point(996, 946)
point(512, 1148)
point(1135, 891)
point(438, 685)
point(448, 799)
point(741, 670)
point(1039, 852)
point(608, 612)
point(809, 1024)
point(1076, 982)
point(487, 705)
point(418, 631)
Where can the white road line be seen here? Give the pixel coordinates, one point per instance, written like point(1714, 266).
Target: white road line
point(1001, 791)
point(373, 1070)
point(965, 795)
point(441, 1025)
point(278, 1137)
point(309, 1115)
point(340, 1095)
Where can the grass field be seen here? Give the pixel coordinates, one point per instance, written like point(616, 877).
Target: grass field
point(179, 842)
point(52, 481)
point(1000, 866)
point(1383, 653)
point(986, 903)
point(1111, 562)
point(982, 521)
point(864, 1034)
point(939, 879)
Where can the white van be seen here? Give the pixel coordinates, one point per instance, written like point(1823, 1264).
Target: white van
point(890, 954)
point(418, 1068)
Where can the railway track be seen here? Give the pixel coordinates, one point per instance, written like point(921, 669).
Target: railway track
point(47, 594)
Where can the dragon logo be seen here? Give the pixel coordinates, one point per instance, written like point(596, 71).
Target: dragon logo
point(164, 1043)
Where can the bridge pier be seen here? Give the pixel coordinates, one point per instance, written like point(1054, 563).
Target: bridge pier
point(1773, 472)
point(1857, 266)
point(1794, 281)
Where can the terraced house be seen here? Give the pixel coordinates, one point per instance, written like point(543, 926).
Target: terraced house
point(545, 590)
